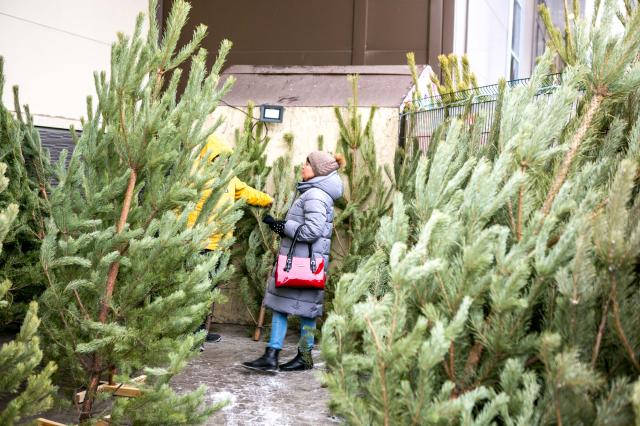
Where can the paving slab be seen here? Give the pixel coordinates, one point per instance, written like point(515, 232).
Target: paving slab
point(292, 398)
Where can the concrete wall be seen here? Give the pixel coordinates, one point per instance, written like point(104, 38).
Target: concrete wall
point(306, 124)
point(51, 49)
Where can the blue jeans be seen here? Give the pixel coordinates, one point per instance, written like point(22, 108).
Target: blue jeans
point(279, 330)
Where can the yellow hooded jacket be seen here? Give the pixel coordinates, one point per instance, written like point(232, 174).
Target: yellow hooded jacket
point(236, 190)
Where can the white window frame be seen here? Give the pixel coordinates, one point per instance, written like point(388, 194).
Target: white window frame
point(511, 53)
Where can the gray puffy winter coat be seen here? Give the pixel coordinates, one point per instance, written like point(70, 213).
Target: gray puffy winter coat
point(314, 209)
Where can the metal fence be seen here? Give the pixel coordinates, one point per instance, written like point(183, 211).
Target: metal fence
point(474, 106)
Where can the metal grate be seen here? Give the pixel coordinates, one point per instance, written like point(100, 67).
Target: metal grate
point(427, 114)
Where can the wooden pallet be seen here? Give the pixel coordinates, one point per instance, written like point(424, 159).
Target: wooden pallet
point(117, 389)
point(45, 422)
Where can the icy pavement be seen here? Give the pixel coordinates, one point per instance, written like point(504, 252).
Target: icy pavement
point(293, 398)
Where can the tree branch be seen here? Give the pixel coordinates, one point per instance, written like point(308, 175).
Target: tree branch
point(82, 308)
point(573, 149)
point(512, 219)
point(383, 378)
point(601, 328)
point(618, 323)
point(520, 198)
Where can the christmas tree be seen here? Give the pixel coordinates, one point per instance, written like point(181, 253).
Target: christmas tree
point(29, 173)
point(505, 285)
point(27, 391)
point(257, 246)
point(127, 284)
point(367, 197)
point(253, 239)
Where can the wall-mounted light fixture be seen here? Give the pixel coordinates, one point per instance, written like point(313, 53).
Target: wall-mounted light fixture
point(271, 113)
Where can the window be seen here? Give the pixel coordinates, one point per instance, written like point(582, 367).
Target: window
point(516, 29)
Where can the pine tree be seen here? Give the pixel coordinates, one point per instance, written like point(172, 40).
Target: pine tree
point(454, 96)
point(456, 77)
point(405, 160)
point(366, 198)
point(509, 277)
point(29, 173)
point(563, 44)
point(256, 245)
point(27, 391)
point(262, 244)
point(126, 283)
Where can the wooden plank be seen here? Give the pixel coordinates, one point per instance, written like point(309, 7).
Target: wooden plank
point(44, 422)
point(105, 421)
point(116, 389)
point(120, 390)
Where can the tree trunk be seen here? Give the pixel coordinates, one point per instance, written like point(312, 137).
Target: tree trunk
point(96, 364)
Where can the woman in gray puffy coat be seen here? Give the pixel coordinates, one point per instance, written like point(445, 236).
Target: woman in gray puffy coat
point(312, 210)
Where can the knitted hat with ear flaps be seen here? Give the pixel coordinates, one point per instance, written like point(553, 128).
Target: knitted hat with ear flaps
point(323, 163)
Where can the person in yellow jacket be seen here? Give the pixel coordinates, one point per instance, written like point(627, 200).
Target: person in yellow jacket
point(236, 190)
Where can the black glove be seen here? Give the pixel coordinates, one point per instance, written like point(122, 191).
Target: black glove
point(276, 226)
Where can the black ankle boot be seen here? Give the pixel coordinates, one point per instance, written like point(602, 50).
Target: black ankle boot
point(302, 361)
point(267, 362)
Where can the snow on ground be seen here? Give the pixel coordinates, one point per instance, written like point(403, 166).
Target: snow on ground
point(294, 398)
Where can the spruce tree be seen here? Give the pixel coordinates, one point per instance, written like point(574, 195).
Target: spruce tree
point(507, 282)
point(25, 391)
point(29, 174)
point(127, 284)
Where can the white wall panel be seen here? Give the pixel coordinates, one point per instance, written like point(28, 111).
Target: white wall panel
point(52, 47)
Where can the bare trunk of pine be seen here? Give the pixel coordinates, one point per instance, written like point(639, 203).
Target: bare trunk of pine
point(96, 363)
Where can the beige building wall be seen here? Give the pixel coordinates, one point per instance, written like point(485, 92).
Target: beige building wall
point(52, 48)
point(306, 124)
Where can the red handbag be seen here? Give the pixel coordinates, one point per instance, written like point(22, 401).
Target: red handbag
point(300, 272)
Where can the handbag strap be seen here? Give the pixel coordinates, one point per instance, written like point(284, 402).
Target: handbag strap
point(291, 249)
